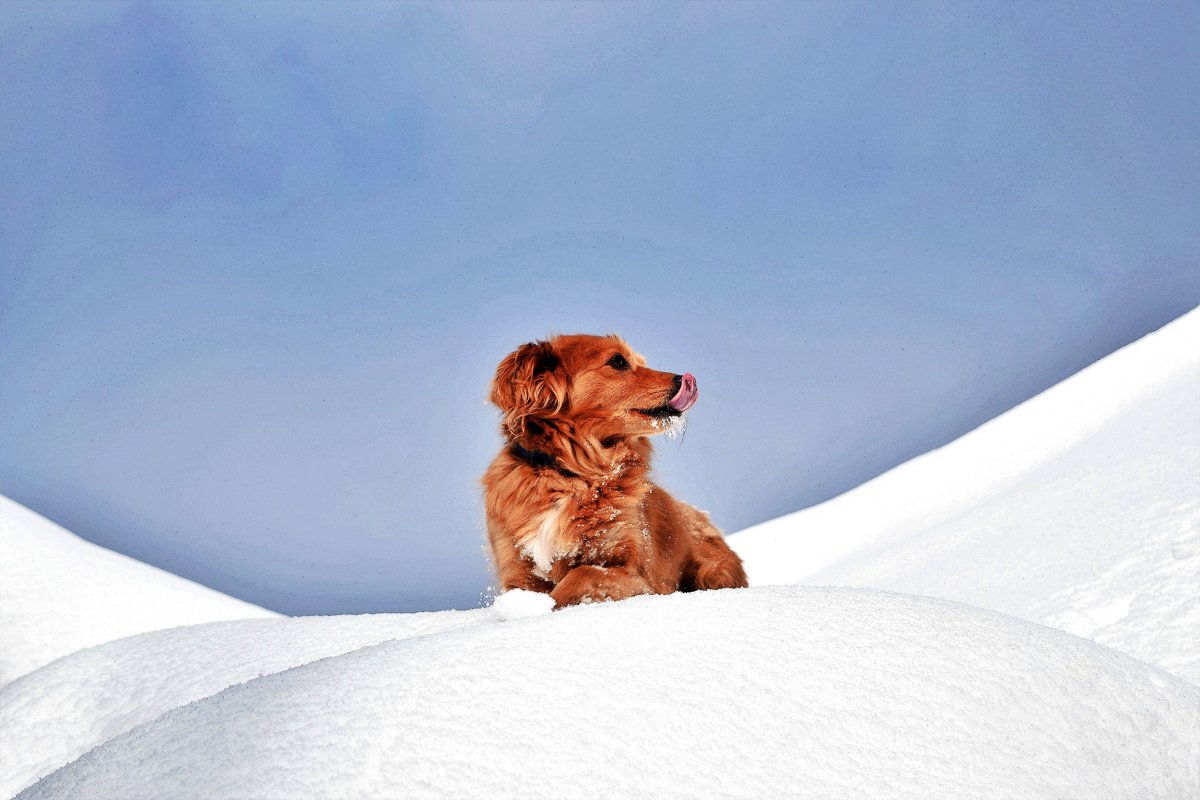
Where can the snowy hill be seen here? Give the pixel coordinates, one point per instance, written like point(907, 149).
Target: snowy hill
point(756, 693)
point(1079, 509)
point(59, 593)
point(57, 713)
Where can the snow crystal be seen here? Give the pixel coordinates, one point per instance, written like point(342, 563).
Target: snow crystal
point(671, 427)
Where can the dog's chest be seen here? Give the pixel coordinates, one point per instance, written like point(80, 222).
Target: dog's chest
point(584, 527)
point(542, 547)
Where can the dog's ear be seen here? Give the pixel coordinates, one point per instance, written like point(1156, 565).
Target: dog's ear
point(529, 382)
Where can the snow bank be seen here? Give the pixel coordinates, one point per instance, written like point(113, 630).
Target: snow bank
point(59, 593)
point(1078, 509)
point(753, 693)
point(57, 713)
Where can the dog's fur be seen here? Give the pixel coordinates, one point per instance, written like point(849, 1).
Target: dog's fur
point(570, 508)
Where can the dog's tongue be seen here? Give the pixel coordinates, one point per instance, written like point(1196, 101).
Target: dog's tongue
point(686, 397)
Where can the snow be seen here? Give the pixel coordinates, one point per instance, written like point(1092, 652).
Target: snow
point(808, 692)
point(59, 712)
point(520, 603)
point(672, 427)
point(59, 593)
point(1076, 515)
point(1079, 509)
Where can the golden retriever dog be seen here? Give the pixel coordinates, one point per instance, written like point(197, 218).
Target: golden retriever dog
point(571, 510)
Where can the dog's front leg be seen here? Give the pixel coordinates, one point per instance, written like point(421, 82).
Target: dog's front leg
point(591, 584)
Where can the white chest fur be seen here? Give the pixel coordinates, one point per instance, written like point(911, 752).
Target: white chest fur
point(542, 546)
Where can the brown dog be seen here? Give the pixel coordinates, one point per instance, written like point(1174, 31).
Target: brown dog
point(570, 509)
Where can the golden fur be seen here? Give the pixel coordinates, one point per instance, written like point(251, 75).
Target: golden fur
point(571, 510)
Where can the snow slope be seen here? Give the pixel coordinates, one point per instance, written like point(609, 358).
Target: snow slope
point(57, 713)
point(59, 593)
point(764, 692)
point(1079, 509)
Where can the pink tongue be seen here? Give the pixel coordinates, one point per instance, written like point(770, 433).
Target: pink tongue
point(686, 397)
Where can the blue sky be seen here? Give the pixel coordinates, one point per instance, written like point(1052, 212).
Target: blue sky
point(258, 262)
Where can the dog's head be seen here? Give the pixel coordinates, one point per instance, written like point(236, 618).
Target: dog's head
point(594, 378)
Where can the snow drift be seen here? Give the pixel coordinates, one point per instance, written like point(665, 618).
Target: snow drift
point(1079, 509)
point(57, 713)
point(756, 693)
point(59, 593)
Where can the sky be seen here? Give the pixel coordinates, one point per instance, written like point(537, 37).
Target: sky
point(258, 262)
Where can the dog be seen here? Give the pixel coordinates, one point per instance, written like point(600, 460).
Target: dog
point(570, 508)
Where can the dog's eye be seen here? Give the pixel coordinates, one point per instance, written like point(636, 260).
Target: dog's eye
point(618, 362)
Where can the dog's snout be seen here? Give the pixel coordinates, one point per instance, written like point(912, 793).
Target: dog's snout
point(676, 385)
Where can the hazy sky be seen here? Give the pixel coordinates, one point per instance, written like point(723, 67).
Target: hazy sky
point(258, 263)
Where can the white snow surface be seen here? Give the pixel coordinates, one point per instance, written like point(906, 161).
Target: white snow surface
point(796, 691)
point(520, 603)
point(57, 713)
point(60, 593)
point(1079, 509)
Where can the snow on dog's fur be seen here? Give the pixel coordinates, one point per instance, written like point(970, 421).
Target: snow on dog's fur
point(570, 508)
